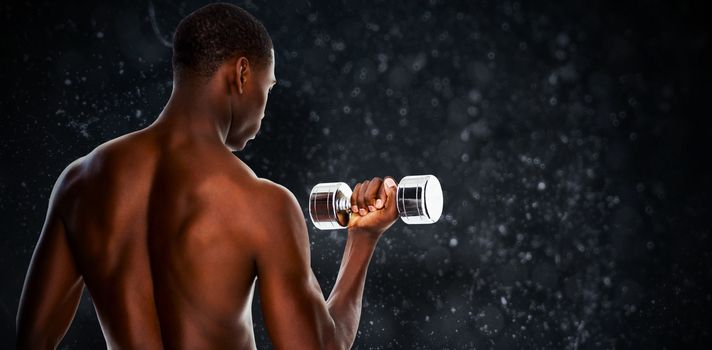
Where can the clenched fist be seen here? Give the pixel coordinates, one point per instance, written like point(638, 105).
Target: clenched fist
point(373, 203)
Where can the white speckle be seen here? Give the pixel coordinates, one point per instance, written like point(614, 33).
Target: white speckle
point(474, 95)
point(453, 242)
point(338, 46)
point(503, 301)
point(465, 135)
point(67, 82)
point(541, 186)
point(553, 79)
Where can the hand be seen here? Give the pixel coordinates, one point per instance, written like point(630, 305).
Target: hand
point(373, 206)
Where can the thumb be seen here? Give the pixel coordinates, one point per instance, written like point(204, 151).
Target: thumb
point(391, 193)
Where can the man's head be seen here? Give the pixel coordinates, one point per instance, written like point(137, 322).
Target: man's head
point(224, 42)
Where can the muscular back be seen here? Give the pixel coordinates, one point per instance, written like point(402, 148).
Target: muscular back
point(162, 242)
point(169, 233)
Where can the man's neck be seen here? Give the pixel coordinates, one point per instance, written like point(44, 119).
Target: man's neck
point(196, 111)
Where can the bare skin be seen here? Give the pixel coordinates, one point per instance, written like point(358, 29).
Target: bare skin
point(170, 232)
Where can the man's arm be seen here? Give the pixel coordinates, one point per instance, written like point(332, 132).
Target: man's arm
point(295, 312)
point(53, 286)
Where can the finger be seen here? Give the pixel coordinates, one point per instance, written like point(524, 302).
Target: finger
point(361, 202)
point(381, 197)
point(372, 192)
point(354, 198)
point(391, 192)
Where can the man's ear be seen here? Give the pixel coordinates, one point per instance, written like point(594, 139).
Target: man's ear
point(242, 73)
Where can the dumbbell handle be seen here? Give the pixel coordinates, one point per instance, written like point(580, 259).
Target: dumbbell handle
point(418, 197)
point(343, 204)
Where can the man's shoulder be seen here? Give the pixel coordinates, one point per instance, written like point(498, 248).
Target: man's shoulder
point(126, 152)
point(278, 210)
point(69, 176)
point(123, 162)
point(96, 155)
point(278, 195)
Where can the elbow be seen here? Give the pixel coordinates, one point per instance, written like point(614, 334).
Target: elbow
point(329, 339)
point(336, 339)
point(335, 345)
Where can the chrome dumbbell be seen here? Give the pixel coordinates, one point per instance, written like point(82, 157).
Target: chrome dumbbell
point(419, 199)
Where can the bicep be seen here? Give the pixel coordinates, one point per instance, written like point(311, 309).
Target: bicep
point(294, 309)
point(53, 286)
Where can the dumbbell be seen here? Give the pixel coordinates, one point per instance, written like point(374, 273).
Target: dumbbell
point(419, 199)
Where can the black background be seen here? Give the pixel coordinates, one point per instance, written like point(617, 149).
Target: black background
point(572, 139)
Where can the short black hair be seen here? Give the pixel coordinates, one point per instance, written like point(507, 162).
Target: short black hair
point(214, 33)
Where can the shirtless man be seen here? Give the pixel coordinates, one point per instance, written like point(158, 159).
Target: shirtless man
point(169, 230)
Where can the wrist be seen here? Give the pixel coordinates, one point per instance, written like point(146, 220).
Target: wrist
point(367, 236)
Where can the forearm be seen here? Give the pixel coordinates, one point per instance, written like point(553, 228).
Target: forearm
point(344, 302)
